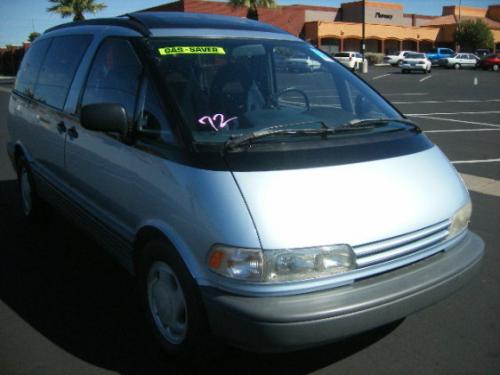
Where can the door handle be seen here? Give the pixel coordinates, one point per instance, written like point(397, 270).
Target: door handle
point(72, 133)
point(61, 128)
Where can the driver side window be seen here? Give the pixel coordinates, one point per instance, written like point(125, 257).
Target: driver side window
point(115, 76)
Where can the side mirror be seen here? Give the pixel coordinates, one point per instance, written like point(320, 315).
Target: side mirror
point(105, 117)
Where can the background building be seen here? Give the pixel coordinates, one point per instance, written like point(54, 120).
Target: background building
point(339, 29)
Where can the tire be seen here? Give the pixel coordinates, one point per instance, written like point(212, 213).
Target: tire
point(400, 62)
point(171, 301)
point(457, 66)
point(33, 208)
point(495, 67)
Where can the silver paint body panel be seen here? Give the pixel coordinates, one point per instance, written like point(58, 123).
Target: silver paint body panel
point(127, 189)
point(354, 203)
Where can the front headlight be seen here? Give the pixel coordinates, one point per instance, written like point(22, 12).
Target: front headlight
point(281, 265)
point(460, 220)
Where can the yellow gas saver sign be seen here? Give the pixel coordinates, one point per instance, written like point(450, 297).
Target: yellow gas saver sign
point(192, 50)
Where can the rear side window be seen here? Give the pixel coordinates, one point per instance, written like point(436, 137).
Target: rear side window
point(115, 76)
point(30, 67)
point(59, 68)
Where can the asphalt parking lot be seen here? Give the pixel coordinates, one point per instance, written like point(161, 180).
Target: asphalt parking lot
point(66, 308)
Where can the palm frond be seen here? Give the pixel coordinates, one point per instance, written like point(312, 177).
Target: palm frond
point(75, 8)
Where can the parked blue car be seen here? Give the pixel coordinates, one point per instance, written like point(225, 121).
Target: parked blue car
point(439, 53)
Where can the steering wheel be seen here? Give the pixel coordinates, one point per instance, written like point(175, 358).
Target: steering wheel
point(293, 89)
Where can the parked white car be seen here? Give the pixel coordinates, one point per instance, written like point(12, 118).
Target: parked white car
point(353, 60)
point(396, 58)
point(416, 61)
point(460, 60)
point(301, 63)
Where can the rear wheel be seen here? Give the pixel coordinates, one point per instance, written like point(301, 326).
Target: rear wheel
point(34, 209)
point(495, 68)
point(171, 300)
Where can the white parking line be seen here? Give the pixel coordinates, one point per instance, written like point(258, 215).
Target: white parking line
point(425, 78)
point(405, 93)
point(453, 113)
point(448, 101)
point(453, 120)
point(5, 89)
point(460, 130)
point(475, 161)
point(383, 75)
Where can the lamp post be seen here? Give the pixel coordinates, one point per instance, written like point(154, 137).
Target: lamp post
point(363, 32)
point(458, 47)
point(459, 10)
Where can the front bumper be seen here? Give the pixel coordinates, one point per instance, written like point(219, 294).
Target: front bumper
point(274, 324)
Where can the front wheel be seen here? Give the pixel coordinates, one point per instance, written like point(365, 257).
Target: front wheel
point(457, 66)
point(495, 68)
point(171, 300)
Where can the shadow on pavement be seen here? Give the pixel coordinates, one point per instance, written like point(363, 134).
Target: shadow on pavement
point(66, 288)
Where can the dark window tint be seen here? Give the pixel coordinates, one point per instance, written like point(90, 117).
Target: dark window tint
point(153, 124)
point(341, 54)
point(59, 67)
point(32, 62)
point(114, 76)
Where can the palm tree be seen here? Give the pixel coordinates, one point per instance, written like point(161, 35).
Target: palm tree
point(252, 6)
point(75, 8)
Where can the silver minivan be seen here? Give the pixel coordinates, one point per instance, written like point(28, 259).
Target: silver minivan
point(278, 209)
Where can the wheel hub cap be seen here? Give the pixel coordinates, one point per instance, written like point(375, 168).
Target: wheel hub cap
point(166, 303)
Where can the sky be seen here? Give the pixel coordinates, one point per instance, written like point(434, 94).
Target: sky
point(18, 18)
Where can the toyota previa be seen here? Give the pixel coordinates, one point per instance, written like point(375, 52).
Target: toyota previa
point(275, 208)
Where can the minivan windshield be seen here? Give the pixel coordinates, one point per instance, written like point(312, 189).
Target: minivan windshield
point(230, 87)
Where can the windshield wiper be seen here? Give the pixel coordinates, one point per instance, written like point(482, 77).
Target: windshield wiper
point(235, 142)
point(371, 123)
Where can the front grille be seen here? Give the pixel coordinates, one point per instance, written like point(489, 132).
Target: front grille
point(396, 247)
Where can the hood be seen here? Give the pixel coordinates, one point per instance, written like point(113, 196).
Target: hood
point(354, 203)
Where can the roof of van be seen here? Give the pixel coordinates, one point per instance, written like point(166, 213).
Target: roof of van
point(144, 22)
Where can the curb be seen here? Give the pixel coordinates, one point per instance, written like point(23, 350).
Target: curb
point(7, 79)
